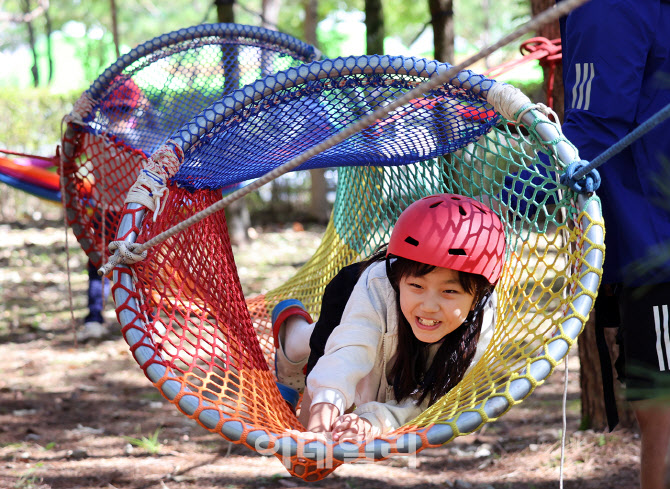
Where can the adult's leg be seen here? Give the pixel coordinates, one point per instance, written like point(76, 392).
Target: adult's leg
point(645, 323)
point(98, 290)
point(654, 420)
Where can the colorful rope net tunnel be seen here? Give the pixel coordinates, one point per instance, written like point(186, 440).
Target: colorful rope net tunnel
point(209, 350)
point(147, 94)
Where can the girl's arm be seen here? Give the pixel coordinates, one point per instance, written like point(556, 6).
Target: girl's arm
point(322, 416)
point(352, 348)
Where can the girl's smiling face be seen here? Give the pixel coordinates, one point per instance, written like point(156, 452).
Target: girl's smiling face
point(434, 304)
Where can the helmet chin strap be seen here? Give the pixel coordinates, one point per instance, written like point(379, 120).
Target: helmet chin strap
point(481, 303)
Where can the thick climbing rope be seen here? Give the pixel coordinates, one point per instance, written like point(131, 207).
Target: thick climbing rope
point(135, 251)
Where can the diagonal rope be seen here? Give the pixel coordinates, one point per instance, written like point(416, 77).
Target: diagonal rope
point(626, 141)
point(549, 15)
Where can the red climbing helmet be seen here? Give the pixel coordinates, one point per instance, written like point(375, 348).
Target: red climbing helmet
point(126, 95)
point(451, 231)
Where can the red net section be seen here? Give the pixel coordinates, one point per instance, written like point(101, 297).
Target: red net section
point(198, 320)
point(99, 173)
point(193, 315)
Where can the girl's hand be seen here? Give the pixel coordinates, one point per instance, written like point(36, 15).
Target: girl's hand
point(351, 427)
point(322, 416)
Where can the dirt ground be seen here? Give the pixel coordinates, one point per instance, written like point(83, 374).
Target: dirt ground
point(74, 416)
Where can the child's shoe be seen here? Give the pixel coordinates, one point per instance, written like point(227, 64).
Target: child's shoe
point(290, 375)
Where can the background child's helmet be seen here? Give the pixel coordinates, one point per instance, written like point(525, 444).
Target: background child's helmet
point(451, 231)
point(124, 97)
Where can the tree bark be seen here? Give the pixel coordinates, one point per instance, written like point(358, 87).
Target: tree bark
point(318, 202)
point(442, 19)
point(374, 27)
point(551, 71)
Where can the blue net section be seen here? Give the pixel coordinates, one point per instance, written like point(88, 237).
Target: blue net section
point(166, 81)
point(265, 124)
point(140, 100)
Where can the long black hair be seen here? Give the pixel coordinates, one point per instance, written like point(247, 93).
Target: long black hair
point(409, 374)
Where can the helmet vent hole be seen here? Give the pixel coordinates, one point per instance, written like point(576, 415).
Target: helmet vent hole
point(433, 206)
point(457, 251)
point(411, 241)
point(462, 211)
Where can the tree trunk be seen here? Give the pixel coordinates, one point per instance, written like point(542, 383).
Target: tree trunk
point(553, 72)
point(31, 39)
point(115, 27)
point(224, 11)
point(50, 57)
point(237, 213)
point(374, 27)
point(318, 203)
point(442, 18)
point(590, 380)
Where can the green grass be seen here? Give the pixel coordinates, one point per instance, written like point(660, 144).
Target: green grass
point(150, 443)
point(28, 480)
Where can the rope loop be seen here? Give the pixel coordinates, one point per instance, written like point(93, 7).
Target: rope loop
point(124, 253)
point(587, 184)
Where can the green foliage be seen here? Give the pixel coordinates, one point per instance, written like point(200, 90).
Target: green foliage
point(149, 444)
point(31, 119)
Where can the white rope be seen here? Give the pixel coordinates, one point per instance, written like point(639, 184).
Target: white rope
point(507, 100)
point(436, 81)
point(129, 252)
point(148, 190)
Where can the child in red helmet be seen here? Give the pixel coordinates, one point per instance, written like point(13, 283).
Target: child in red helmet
point(418, 314)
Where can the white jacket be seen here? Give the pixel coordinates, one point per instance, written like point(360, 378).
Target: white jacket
point(359, 355)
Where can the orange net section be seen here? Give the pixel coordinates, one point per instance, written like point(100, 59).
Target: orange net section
point(194, 317)
point(198, 319)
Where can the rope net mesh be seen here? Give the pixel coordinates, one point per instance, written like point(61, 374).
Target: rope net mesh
point(210, 350)
point(141, 100)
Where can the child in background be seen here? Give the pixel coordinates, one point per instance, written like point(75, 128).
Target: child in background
point(420, 312)
point(129, 116)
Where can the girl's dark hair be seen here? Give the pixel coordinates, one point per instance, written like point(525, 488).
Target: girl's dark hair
point(453, 357)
